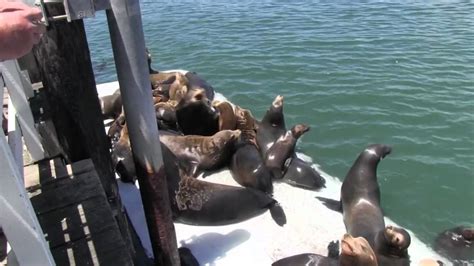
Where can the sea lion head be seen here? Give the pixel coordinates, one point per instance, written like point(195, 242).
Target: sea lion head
point(468, 234)
point(378, 151)
point(225, 137)
point(397, 238)
point(299, 130)
point(356, 251)
point(278, 102)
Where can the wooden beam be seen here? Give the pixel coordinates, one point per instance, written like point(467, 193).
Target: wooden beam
point(66, 72)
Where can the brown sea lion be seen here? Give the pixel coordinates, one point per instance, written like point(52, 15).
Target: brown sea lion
point(283, 149)
point(227, 119)
point(456, 244)
point(162, 78)
point(178, 88)
point(195, 114)
point(355, 252)
point(247, 166)
point(200, 153)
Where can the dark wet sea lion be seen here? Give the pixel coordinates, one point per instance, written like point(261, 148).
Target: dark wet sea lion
point(247, 166)
point(196, 82)
point(272, 126)
point(362, 214)
point(148, 55)
point(202, 152)
point(111, 105)
point(283, 149)
point(391, 246)
point(456, 244)
point(166, 115)
point(301, 174)
point(204, 203)
point(360, 194)
point(195, 114)
point(227, 119)
point(355, 252)
point(116, 127)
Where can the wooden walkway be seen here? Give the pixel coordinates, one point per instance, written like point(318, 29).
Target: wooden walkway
point(74, 214)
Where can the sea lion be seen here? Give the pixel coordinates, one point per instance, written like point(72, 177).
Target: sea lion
point(122, 157)
point(195, 115)
point(272, 126)
point(148, 57)
point(196, 82)
point(299, 173)
point(166, 115)
point(362, 214)
point(283, 149)
point(355, 252)
point(360, 194)
point(162, 78)
point(247, 166)
point(203, 203)
point(227, 119)
point(456, 244)
point(116, 127)
point(200, 153)
point(391, 246)
point(178, 88)
point(111, 105)
point(199, 202)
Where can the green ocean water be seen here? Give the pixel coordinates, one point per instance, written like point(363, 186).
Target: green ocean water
point(358, 72)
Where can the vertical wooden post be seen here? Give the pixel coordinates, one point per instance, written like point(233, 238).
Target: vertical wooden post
point(68, 79)
point(128, 44)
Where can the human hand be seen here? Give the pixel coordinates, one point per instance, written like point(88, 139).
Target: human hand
point(20, 29)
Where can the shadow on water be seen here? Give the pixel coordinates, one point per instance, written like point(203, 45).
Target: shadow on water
point(209, 247)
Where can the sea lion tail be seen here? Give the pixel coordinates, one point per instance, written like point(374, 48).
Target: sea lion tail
point(331, 204)
point(277, 213)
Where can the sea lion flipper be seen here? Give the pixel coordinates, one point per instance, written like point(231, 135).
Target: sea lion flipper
point(333, 249)
point(278, 214)
point(331, 204)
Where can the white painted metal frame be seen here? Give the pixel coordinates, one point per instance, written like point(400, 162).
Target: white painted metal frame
point(17, 217)
point(20, 89)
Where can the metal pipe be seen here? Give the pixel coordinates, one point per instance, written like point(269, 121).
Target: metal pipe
point(128, 44)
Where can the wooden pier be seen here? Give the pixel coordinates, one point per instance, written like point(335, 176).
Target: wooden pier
point(74, 214)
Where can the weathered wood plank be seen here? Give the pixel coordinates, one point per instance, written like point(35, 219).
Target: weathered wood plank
point(77, 221)
point(46, 171)
point(106, 248)
point(66, 191)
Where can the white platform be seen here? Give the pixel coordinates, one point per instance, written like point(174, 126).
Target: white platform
point(260, 241)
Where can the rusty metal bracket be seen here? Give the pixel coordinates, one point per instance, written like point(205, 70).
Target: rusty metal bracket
point(74, 9)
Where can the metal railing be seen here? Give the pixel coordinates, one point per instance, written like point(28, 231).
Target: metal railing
point(17, 217)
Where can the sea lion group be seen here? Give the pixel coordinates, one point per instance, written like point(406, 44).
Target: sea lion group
point(199, 134)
